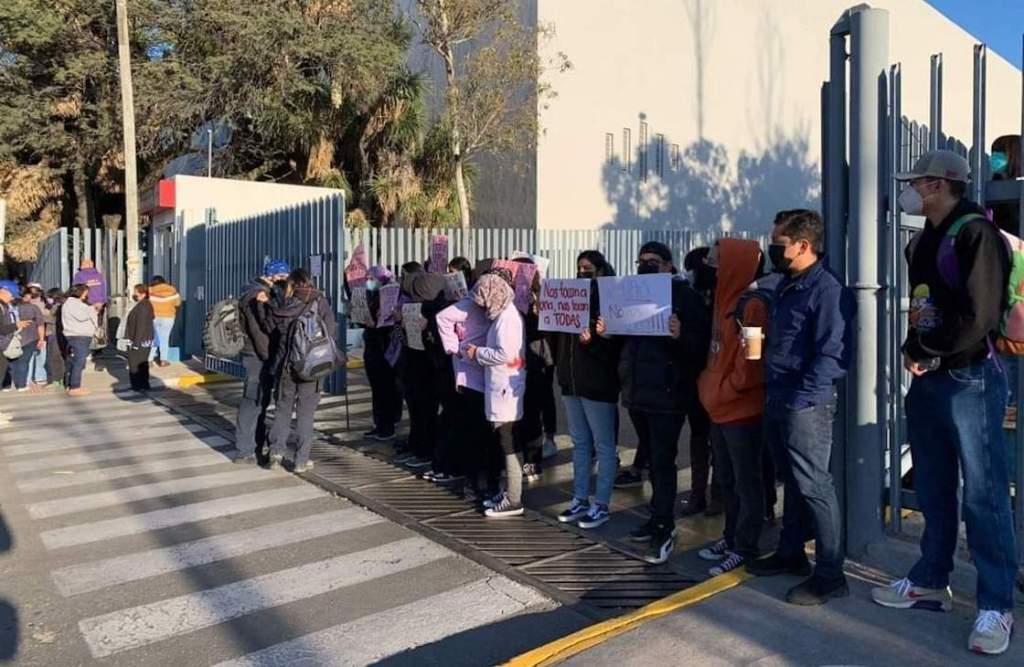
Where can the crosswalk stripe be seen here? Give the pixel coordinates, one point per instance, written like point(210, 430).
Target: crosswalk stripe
point(87, 577)
point(370, 639)
point(45, 415)
point(175, 516)
point(85, 458)
point(116, 434)
point(56, 480)
point(50, 508)
point(146, 624)
point(110, 429)
point(125, 437)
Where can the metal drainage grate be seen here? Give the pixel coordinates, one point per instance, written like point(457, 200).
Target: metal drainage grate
point(348, 469)
point(608, 579)
point(516, 541)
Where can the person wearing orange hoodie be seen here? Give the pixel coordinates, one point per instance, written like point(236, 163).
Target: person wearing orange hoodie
point(166, 301)
point(731, 388)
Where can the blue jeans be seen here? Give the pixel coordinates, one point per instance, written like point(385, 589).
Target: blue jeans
point(592, 427)
point(954, 422)
point(802, 443)
point(163, 327)
point(37, 365)
point(20, 367)
point(78, 355)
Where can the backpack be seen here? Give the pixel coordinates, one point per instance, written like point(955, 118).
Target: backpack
point(312, 352)
point(763, 290)
point(1010, 338)
point(222, 334)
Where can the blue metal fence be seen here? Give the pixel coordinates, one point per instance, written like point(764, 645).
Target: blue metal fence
point(60, 254)
point(309, 235)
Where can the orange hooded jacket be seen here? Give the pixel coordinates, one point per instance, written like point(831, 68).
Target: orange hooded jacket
point(731, 387)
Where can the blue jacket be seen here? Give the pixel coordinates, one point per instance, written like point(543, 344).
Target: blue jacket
point(809, 341)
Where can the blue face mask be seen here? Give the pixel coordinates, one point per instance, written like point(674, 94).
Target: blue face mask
point(998, 162)
point(371, 285)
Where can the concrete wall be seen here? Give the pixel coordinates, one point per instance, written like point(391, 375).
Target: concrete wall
point(749, 134)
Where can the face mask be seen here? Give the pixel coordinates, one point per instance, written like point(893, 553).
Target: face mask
point(648, 267)
point(587, 275)
point(998, 162)
point(372, 285)
point(911, 201)
point(777, 253)
point(707, 279)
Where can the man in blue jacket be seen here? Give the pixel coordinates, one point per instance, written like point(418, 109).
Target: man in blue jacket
point(807, 351)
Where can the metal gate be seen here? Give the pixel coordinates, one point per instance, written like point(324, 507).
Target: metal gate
point(309, 235)
point(867, 235)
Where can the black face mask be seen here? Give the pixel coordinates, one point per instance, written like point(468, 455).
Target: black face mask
point(648, 267)
point(705, 279)
point(585, 275)
point(777, 253)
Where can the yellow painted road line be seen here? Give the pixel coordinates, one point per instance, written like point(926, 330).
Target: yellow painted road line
point(570, 645)
point(186, 381)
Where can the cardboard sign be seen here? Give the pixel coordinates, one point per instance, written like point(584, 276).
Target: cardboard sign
point(388, 303)
point(359, 308)
point(523, 281)
point(455, 286)
point(564, 305)
point(316, 265)
point(636, 305)
point(394, 351)
point(439, 254)
point(412, 321)
point(355, 272)
point(541, 262)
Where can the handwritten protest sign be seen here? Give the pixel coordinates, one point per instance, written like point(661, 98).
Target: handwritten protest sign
point(359, 308)
point(412, 321)
point(355, 272)
point(388, 303)
point(564, 305)
point(455, 286)
point(542, 263)
point(636, 305)
point(439, 254)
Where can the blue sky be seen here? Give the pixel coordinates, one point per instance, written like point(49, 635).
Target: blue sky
point(998, 23)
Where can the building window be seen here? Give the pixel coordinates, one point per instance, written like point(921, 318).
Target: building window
point(627, 149)
point(609, 147)
point(643, 150)
point(674, 160)
point(659, 157)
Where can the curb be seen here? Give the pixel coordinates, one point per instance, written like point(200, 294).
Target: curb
point(186, 381)
point(570, 645)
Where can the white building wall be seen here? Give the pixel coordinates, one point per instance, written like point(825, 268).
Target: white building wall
point(750, 135)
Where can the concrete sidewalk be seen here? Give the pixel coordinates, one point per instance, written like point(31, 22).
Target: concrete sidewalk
point(753, 625)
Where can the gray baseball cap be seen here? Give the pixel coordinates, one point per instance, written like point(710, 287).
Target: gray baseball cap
point(938, 164)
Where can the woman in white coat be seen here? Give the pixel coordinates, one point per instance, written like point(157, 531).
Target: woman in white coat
point(504, 380)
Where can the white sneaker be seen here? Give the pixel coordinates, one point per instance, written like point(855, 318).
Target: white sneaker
point(991, 634)
point(903, 594)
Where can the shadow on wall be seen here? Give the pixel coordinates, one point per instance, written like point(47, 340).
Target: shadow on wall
point(702, 189)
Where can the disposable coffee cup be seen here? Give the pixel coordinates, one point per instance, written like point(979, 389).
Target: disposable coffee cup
point(753, 337)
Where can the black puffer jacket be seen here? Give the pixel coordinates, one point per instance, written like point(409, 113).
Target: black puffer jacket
point(254, 320)
point(588, 371)
point(659, 374)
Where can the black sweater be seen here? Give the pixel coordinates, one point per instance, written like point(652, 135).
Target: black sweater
point(962, 316)
point(139, 327)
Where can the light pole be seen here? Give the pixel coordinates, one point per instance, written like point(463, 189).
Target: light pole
point(131, 186)
point(209, 153)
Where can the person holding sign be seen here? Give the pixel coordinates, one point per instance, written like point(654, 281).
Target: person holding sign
point(807, 352)
point(732, 391)
point(658, 375)
point(504, 381)
point(586, 367)
point(384, 393)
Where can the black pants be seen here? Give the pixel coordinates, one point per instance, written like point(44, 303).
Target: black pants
point(3, 371)
point(257, 390)
point(138, 367)
point(663, 431)
point(423, 402)
point(476, 451)
point(738, 462)
point(385, 396)
point(449, 449)
point(549, 409)
point(700, 452)
point(54, 359)
point(303, 398)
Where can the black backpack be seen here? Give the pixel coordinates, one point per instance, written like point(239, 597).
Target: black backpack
point(312, 352)
point(223, 335)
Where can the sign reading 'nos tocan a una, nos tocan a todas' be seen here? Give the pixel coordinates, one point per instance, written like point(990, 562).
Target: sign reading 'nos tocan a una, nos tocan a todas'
point(564, 305)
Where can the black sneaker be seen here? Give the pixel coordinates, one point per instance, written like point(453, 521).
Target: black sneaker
point(692, 505)
point(372, 433)
point(645, 532)
point(628, 479)
point(775, 565)
point(384, 436)
point(401, 458)
point(417, 462)
point(732, 561)
point(445, 479)
point(662, 544)
point(532, 472)
point(505, 508)
point(818, 590)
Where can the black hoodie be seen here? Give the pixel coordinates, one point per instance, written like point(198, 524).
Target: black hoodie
point(284, 310)
point(588, 371)
point(254, 320)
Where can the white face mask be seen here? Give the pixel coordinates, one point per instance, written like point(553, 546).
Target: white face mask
point(911, 202)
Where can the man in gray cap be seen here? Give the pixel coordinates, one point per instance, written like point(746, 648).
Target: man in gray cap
point(958, 269)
